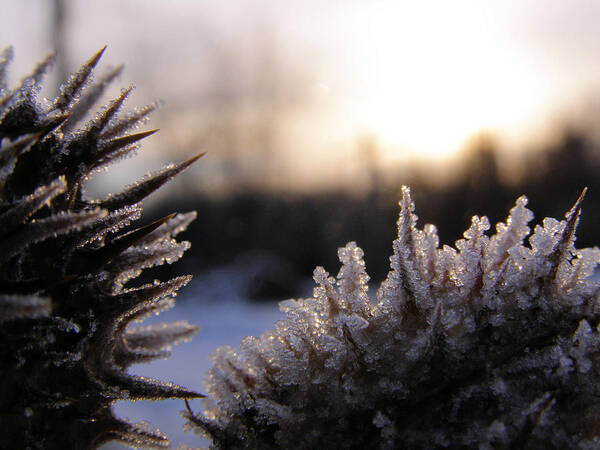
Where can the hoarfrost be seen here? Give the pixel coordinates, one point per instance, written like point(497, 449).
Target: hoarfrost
point(64, 313)
point(485, 345)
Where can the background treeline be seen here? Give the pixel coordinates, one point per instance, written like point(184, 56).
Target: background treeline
point(278, 238)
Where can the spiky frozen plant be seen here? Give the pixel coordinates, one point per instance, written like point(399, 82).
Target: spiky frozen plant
point(65, 340)
point(492, 344)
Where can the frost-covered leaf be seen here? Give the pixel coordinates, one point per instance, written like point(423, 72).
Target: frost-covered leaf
point(486, 345)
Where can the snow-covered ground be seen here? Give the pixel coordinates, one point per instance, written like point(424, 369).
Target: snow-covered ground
point(215, 303)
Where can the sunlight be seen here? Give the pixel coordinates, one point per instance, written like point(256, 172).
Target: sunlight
point(424, 89)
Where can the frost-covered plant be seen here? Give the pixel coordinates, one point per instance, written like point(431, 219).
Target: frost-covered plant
point(492, 344)
point(65, 340)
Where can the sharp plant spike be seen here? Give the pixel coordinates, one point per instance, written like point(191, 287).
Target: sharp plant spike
point(140, 435)
point(576, 209)
point(25, 207)
point(111, 223)
point(104, 254)
point(157, 337)
point(562, 253)
point(139, 257)
point(91, 95)
point(30, 84)
point(98, 124)
point(192, 160)
point(129, 121)
point(131, 304)
point(140, 311)
point(126, 358)
point(111, 147)
point(124, 141)
point(144, 388)
point(40, 230)
point(134, 236)
point(53, 122)
point(171, 228)
point(157, 291)
point(64, 312)
point(70, 90)
point(94, 59)
point(146, 186)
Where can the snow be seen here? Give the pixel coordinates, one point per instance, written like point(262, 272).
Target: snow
point(214, 302)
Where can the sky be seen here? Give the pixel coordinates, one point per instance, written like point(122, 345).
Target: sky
point(285, 92)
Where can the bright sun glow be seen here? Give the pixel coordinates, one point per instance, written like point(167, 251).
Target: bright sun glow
point(429, 77)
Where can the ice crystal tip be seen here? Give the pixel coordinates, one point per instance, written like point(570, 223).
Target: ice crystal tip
point(64, 258)
point(487, 345)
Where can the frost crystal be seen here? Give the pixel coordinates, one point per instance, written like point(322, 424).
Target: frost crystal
point(490, 344)
point(64, 259)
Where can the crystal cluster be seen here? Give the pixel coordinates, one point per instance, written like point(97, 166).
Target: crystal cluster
point(491, 344)
point(65, 263)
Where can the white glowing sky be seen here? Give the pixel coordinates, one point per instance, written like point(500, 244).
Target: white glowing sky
point(420, 76)
point(424, 76)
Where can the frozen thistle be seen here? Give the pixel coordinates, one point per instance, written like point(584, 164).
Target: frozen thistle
point(65, 313)
point(492, 344)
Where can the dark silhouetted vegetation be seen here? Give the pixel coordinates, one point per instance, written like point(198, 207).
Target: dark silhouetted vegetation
point(304, 229)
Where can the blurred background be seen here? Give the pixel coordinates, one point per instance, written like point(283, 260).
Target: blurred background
point(314, 114)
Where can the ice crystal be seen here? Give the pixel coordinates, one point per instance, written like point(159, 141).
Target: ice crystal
point(491, 344)
point(65, 313)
